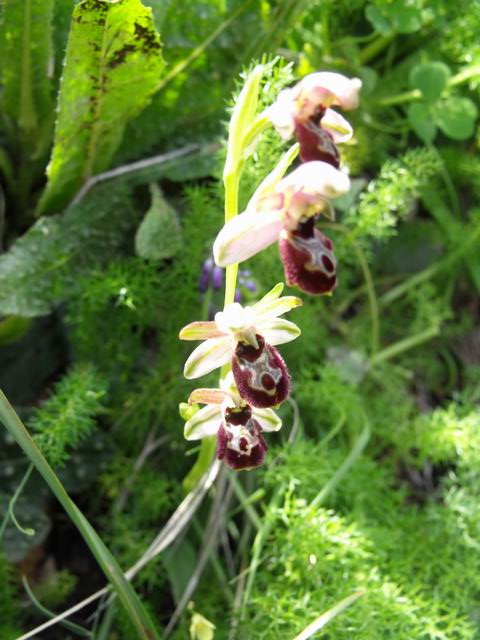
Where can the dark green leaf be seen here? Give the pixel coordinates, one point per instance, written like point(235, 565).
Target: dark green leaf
point(430, 78)
point(158, 236)
point(44, 264)
point(421, 121)
point(456, 117)
point(112, 67)
point(405, 18)
point(26, 34)
point(378, 20)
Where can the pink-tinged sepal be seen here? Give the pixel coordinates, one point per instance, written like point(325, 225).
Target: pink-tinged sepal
point(316, 143)
point(240, 443)
point(308, 259)
point(260, 373)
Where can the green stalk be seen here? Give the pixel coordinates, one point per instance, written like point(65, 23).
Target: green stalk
point(370, 288)
point(404, 345)
point(138, 615)
point(374, 48)
point(415, 94)
point(325, 618)
point(432, 270)
point(258, 544)
point(232, 182)
point(71, 626)
point(344, 467)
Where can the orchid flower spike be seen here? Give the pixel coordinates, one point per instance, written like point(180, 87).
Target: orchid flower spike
point(245, 336)
point(305, 111)
point(237, 426)
point(288, 214)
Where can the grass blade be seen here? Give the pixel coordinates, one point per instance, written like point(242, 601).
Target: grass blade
point(138, 615)
point(325, 618)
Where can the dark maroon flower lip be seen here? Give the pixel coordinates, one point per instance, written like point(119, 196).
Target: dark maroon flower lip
point(316, 143)
point(261, 375)
point(308, 259)
point(240, 443)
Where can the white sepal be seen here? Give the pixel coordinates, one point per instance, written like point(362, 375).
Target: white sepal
point(267, 419)
point(211, 354)
point(280, 331)
point(339, 128)
point(245, 235)
point(316, 178)
point(206, 422)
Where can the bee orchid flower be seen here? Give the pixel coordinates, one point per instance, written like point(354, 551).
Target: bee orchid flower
point(305, 110)
point(288, 214)
point(238, 427)
point(245, 337)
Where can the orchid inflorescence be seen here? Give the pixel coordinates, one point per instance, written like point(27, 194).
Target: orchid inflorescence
point(284, 208)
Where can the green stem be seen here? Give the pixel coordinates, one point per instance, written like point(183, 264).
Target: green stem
point(232, 182)
point(71, 626)
point(244, 500)
point(345, 466)
point(374, 48)
point(258, 544)
point(139, 617)
point(433, 270)
point(11, 506)
point(329, 615)
point(203, 461)
point(404, 345)
point(415, 94)
point(183, 64)
point(208, 445)
point(372, 297)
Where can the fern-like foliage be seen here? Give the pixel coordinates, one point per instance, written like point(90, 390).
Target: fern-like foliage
point(68, 416)
point(389, 198)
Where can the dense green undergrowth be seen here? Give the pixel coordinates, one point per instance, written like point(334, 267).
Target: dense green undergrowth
point(373, 483)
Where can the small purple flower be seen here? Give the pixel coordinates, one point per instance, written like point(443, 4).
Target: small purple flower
point(217, 278)
point(204, 280)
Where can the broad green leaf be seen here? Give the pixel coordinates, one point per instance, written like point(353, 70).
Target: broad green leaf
point(456, 117)
point(44, 264)
point(26, 34)
point(421, 120)
point(378, 20)
point(112, 67)
point(404, 18)
point(159, 236)
point(396, 17)
point(430, 78)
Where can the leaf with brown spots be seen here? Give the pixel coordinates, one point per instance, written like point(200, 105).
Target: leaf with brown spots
point(112, 68)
